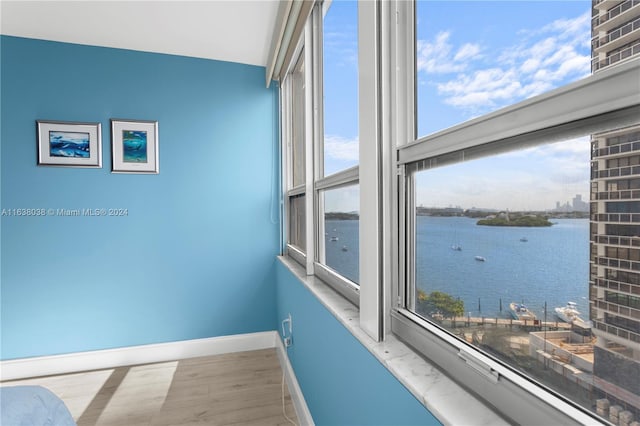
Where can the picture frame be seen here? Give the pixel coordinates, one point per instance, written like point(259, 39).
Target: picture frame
point(69, 144)
point(134, 146)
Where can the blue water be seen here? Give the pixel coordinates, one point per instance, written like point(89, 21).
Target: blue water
point(342, 255)
point(69, 149)
point(552, 266)
point(69, 144)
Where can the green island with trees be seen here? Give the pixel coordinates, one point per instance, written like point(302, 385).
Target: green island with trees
point(341, 216)
point(525, 220)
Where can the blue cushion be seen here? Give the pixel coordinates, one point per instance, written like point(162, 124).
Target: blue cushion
point(32, 406)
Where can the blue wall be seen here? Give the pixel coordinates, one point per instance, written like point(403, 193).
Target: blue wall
point(342, 382)
point(194, 257)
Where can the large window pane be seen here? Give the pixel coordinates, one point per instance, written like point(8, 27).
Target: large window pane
point(474, 57)
point(533, 257)
point(298, 124)
point(297, 221)
point(341, 231)
point(340, 75)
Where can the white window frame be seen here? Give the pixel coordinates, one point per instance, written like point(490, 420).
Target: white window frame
point(315, 183)
point(610, 98)
point(287, 123)
point(388, 146)
point(344, 286)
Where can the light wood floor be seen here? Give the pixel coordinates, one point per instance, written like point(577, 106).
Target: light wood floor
point(232, 389)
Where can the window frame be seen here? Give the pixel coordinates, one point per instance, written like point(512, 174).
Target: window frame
point(604, 98)
point(287, 95)
point(311, 49)
point(344, 286)
point(388, 147)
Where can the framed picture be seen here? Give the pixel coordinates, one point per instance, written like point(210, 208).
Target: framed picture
point(134, 146)
point(69, 144)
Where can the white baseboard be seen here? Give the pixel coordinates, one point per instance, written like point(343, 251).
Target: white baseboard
point(299, 403)
point(110, 358)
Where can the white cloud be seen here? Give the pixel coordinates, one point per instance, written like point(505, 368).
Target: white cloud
point(340, 148)
point(486, 87)
point(530, 65)
point(536, 62)
point(579, 145)
point(568, 28)
point(542, 49)
point(342, 47)
point(467, 51)
point(577, 148)
point(439, 56)
point(344, 199)
point(524, 179)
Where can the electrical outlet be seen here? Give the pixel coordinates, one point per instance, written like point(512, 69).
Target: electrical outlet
point(287, 337)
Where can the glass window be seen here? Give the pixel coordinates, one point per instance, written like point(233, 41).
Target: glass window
point(484, 228)
point(341, 223)
point(474, 57)
point(338, 207)
point(515, 233)
point(340, 80)
point(294, 135)
point(297, 222)
point(298, 124)
point(501, 248)
point(511, 256)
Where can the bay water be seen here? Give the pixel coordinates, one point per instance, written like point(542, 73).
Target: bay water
point(530, 265)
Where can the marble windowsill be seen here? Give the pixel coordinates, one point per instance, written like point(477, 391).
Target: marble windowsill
point(438, 393)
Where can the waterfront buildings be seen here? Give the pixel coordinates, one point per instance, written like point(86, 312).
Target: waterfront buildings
point(615, 220)
point(576, 205)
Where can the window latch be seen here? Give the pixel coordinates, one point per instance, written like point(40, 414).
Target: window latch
point(479, 366)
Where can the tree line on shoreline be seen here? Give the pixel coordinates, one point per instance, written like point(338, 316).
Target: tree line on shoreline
point(478, 214)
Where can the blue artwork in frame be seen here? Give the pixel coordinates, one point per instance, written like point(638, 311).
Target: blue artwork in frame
point(69, 144)
point(134, 146)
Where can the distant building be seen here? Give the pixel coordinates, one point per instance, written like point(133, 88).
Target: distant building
point(614, 283)
point(577, 205)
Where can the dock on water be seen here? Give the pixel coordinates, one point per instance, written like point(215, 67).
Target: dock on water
point(469, 321)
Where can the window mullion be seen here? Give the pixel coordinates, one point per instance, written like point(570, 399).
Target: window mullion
point(345, 177)
point(316, 67)
point(285, 166)
point(308, 142)
point(370, 171)
point(402, 80)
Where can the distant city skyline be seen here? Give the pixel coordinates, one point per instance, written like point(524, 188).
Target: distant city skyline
point(576, 204)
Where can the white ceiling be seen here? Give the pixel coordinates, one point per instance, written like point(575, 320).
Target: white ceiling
point(228, 30)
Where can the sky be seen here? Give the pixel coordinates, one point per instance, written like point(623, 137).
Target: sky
point(340, 74)
point(473, 57)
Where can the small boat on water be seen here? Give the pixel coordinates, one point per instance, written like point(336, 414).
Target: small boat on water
point(344, 248)
point(524, 239)
point(334, 238)
point(568, 313)
point(480, 258)
point(520, 312)
point(456, 247)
